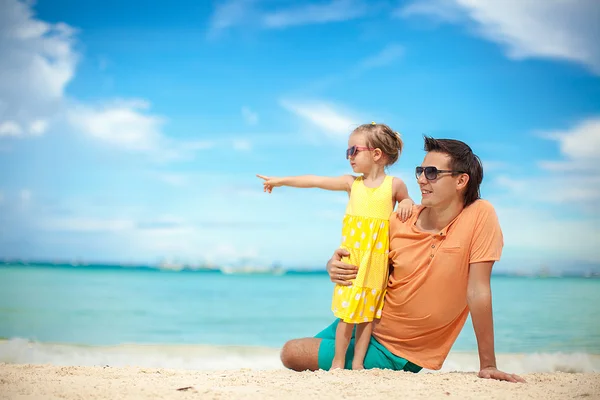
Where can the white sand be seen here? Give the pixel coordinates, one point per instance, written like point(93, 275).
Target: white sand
point(56, 382)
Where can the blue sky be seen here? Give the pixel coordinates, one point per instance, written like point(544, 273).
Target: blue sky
point(133, 132)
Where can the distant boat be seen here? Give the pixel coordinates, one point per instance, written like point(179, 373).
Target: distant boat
point(171, 266)
point(252, 270)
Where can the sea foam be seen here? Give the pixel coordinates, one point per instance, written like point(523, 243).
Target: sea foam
point(208, 357)
point(192, 357)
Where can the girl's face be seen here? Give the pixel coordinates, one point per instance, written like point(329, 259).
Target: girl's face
point(361, 158)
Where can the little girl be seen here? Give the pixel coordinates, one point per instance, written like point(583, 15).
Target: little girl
point(373, 196)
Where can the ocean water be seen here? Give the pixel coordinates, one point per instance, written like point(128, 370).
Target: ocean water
point(202, 320)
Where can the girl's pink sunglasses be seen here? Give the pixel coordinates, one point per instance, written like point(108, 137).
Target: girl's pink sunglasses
point(352, 151)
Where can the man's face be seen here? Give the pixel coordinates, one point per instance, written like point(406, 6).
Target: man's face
point(442, 190)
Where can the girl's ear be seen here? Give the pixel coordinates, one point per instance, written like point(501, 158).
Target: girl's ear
point(377, 154)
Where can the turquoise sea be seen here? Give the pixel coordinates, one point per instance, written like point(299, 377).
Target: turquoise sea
point(211, 320)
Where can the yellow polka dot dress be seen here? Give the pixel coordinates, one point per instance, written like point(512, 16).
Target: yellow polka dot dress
point(365, 235)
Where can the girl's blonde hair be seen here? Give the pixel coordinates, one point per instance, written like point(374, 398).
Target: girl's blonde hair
point(381, 136)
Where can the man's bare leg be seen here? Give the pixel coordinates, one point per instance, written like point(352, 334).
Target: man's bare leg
point(301, 354)
point(363, 338)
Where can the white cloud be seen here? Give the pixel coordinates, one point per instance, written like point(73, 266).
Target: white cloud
point(385, 57)
point(250, 117)
point(127, 125)
point(583, 191)
point(580, 144)
point(330, 119)
point(556, 29)
point(173, 179)
point(38, 61)
point(554, 213)
point(233, 13)
point(226, 252)
point(443, 10)
point(10, 128)
point(230, 13)
point(580, 170)
point(509, 183)
point(194, 145)
point(242, 145)
point(38, 127)
point(79, 224)
point(552, 236)
point(491, 165)
point(153, 238)
point(574, 179)
point(579, 173)
point(103, 63)
point(122, 125)
point(13, 129)
point(333, 11)
point(25, 195)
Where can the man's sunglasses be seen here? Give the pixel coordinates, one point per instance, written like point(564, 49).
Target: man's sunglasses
point(352, 151)
point(431, 173)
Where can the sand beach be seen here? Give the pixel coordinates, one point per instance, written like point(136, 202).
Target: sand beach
point(25, 381)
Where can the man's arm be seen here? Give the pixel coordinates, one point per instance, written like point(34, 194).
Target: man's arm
point(479, 299)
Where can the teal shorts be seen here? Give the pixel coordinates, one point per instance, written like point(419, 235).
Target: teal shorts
point(377, 356)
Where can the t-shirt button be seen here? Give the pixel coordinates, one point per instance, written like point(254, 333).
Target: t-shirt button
point(433, 246)
point(431, 255)
point(441, 233)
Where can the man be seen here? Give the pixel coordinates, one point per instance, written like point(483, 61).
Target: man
point(441, 262)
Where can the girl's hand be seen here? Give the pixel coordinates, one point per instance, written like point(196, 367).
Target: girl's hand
point(269, 183)
point(405, 209)
point(340, 272)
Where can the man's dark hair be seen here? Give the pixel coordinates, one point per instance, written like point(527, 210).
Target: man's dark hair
point(461, 159)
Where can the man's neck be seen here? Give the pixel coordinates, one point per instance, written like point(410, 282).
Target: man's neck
point(437, 218)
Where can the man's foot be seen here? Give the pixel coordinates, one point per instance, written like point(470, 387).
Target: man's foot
point(357, 367)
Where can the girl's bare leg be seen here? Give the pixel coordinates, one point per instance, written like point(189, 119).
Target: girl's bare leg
point(343, 334)
point(363, 337)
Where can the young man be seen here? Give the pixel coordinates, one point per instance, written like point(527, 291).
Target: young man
point(441, 261)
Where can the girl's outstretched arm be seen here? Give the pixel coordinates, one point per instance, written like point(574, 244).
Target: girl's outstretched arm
point(341, 183)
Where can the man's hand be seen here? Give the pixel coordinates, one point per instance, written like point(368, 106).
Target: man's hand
point(494, 373)
point(340, 272)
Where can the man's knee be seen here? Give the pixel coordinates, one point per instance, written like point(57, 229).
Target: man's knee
point(291, 354)
point(287, 354)
point(301, 354)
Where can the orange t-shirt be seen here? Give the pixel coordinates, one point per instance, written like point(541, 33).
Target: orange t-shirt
point(426, 301)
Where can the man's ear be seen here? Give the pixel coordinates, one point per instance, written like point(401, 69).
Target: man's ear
point(462, 182)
